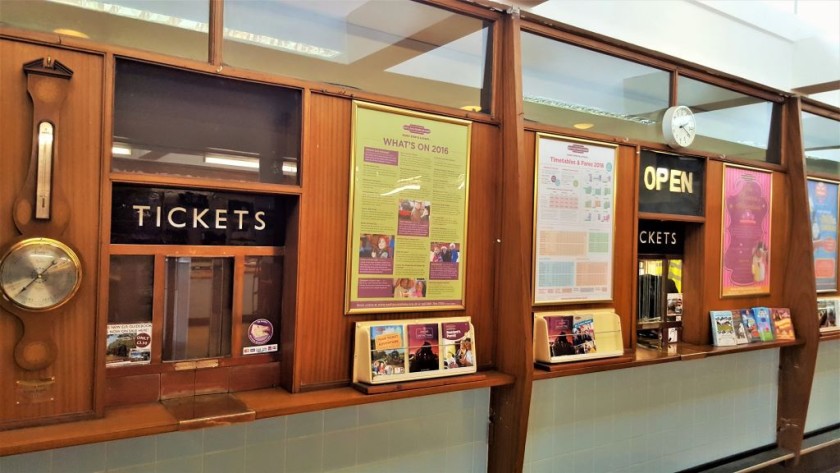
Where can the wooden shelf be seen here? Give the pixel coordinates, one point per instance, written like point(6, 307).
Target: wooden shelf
point(647, 356)
point(631, 359)
point(688, 351)
point(118, 423)
point(276, 402)
point(834, 335)
point(185, 413)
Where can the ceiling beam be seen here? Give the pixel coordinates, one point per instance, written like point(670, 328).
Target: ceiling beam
point(818, 88)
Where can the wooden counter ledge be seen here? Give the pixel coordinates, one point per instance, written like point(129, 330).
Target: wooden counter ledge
point(276, 402)
point(154, 418)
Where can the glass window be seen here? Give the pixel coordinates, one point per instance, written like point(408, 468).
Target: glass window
point(173, 122)
point(821, 138)
point(197, 315)
point(263, 285)
point(174, 28)
point(397, 48)
point(728, 123)
point(130, 287)
point(574, 87)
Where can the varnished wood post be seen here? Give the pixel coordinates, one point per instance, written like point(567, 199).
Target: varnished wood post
point(514, 352)
point(796, 370)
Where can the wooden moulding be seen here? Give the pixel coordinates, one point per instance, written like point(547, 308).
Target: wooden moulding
point(418, 384)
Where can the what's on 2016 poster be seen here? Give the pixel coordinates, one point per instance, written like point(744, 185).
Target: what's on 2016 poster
point(822, 203)
point(408, 211)
point(746, 227)
point(574, 220)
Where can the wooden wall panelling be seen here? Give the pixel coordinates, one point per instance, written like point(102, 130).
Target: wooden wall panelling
point(510, 405)
point(797, 363)
point(101, 393)
point(697, 326)
point(322, 337)
point(77, 172)
point(323, 334)
point(624, 244)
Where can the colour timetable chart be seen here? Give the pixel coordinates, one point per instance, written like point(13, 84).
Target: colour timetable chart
point(574, 215)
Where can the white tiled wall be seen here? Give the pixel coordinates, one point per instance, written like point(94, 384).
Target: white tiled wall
point(824, 408)
point(658, 418)
point(442, 433)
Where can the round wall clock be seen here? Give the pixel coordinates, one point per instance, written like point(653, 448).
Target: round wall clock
point(679, 126)
point(39, 274)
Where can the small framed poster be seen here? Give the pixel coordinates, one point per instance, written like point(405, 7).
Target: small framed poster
point(407, 232)
point(822, 204)
point(574, 220)
point(745, 235)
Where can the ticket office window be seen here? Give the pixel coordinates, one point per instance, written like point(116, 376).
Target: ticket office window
point(180, 291)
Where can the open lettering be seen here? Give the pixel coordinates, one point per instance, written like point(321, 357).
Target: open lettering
point(678, 181)
point(181, 217)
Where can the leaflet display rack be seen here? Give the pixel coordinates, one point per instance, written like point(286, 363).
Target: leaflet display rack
point(567, 336)
point(406, 350)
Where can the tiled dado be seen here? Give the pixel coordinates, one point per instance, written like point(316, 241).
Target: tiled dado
point(824, 408)
point(658, 418)
point(445, 432)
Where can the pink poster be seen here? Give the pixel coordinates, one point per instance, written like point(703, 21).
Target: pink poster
point(746, 231)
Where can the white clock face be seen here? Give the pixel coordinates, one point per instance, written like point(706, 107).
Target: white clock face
point(679, 127)
point(39, 274)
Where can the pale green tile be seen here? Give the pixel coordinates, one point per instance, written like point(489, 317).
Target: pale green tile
point(37, 462)
point(227, 461)
point(339, 449)
point(193, 464)
point(266, 430)
point(130, 452)
point(301, 425)
point(304, 454)
point(81, 459)
point(180, 444)
point(229, 437)
point(340, 419)
point(266, 456)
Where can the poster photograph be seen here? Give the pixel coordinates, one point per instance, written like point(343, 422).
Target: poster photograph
point(408, 211)
point(822, 204)
point(574, 217)
point(746, 231)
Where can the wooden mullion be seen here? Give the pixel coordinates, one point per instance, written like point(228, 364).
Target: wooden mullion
point(99, 395)
point(216, 33)
point(158, 309)
point(236, 310)
point(797, 363)
point(510, 405)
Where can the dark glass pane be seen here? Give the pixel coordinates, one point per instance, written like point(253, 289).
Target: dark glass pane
point(821, 137)
point(158, 216)
point(261, 297)
point(197, 316)
point(393, 47)
point(130, 289)
point(728, 123)
point(174, 28)
point(574, 87)
point(179, 123)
